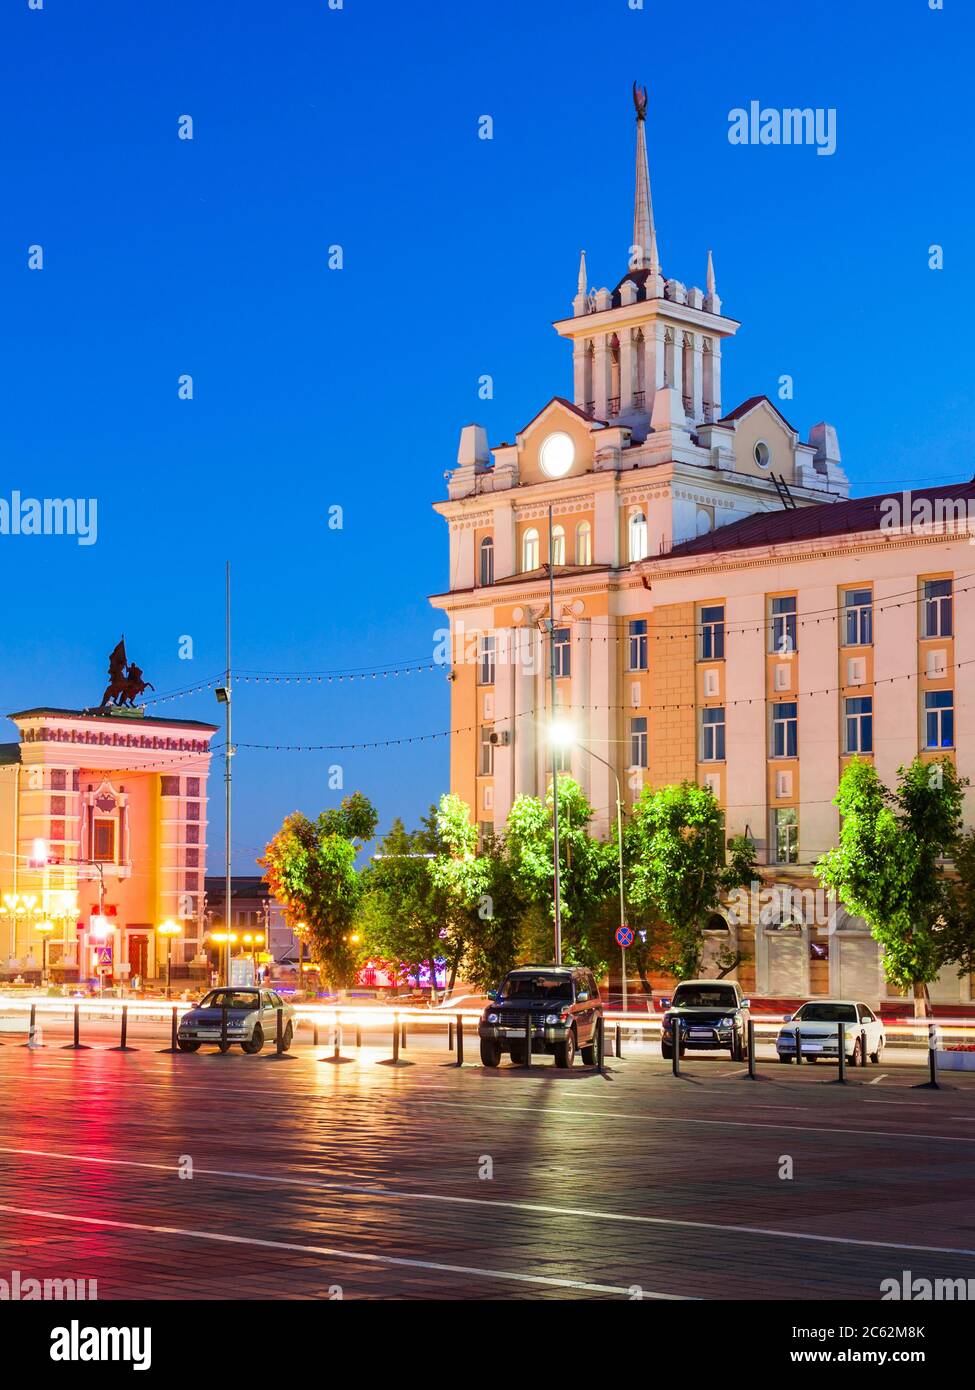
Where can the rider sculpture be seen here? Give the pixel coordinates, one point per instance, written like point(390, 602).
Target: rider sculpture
point(125, 683)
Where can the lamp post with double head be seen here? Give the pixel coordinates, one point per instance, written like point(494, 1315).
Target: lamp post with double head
point(563, 736)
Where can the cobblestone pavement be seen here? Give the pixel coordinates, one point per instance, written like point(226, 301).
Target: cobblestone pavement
point(361, 1180)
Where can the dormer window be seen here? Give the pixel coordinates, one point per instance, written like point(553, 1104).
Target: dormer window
point(487, 560)
point(558, 545)
point(637, 535)
point(583, 543)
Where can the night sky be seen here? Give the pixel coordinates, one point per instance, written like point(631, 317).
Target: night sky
point(317, 388)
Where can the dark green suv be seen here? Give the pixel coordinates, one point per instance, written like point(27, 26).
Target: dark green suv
point(552, 1008)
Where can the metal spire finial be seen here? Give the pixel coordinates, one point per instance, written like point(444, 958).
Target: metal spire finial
point(643, 252)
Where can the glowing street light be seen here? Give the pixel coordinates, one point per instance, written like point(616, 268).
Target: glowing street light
point(562, 735)
point(168, 930)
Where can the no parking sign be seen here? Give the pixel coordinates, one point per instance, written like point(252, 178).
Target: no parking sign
point(624, 937)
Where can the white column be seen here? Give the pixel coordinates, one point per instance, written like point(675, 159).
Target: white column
point(601, 376)
point(579, 349)
point(716, 377)
point(504, 540)
point(677, 358)
point(627, 366)
point(579, 715)
point(653, 362)
point(697, 378)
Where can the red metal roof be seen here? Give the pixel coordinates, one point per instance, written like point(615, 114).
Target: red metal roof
point(822, 520)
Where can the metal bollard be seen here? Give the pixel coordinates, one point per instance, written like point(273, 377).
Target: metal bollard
point(314, 1034)
point(601, 1044)
point(528, 1040)
point(752, 1073)
point(77, 1045)
point(798, 1047)
point(933, 1063)
point(224, 1043)
point(675, 1047)
point(863, 1047)
point(279, 1032)
point(619, 1040)
point(402, 1041)
point(450, 1035)
point(358, 1035)
point(460, 1040)
point(396, 1038)
point(31, 1027)
point(173, 1031)
point(124, 1033)
point(841, 1050)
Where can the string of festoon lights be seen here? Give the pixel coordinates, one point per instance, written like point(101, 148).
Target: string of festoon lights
point(670, 706)
point(422, 665)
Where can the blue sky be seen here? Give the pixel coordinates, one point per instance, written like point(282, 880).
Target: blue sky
point(315, 388)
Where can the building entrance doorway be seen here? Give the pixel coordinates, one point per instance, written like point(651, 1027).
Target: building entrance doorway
point(138, 955)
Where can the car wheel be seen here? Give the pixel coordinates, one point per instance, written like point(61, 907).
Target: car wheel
point(667, 1053)
point(737, 1052)
point(857, 1054)
point(255, 1042)
point(187, 1045)
point(876, 1056)
point(565, 1052)
point(490, 1053)
point(589, 1055)
point(785, 1059)
point(289, 1035)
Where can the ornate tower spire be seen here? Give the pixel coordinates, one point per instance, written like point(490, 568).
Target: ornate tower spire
point(710, 274)
point(582, 273)
point(643, 253)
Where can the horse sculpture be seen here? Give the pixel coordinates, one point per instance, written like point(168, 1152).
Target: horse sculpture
point(125, 683)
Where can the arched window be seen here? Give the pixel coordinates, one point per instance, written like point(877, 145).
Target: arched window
point(558, 545)
point(638, 535)
point(529, 549)
point(583, 543)
point(487, 560)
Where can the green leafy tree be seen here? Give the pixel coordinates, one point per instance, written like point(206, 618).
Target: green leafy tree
point(486, 909)
point(679, 867)
point(888, 867)
point(409, 915)
point(957, 938)
point(310, 867)
point(586, 872)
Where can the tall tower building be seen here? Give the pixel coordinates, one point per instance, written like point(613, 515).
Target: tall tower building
point(641, 458)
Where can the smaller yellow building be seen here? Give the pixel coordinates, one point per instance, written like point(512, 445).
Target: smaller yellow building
point(103, 829)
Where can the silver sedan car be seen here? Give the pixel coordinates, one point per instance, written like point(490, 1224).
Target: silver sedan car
point(252, 1020)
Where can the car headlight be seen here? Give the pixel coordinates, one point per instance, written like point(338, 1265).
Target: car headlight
point(727, 1023)
point(490, 1018)
point(553, 1018)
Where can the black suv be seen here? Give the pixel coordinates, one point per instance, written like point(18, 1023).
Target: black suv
point(711, 1014)
point(557, 1007)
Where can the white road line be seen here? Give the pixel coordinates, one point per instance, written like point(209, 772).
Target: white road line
point(536, 1208)
point(877, 1078)
point(547, 1281)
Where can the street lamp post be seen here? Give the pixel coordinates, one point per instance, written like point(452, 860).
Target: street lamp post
point(168, 930)
point(560, 736)
point(45, 928)
point(555, 761)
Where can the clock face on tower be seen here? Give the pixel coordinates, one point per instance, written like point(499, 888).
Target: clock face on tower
point(557, 454)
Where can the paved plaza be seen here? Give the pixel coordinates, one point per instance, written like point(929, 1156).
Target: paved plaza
point(205, 1176)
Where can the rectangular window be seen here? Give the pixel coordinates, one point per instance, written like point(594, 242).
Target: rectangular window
point(58, 779)
point(859, 724)
point(858, 618)
point(192, 858)
point(192, 834)
point(939, 719)
point(782, 626)
point(192, 786)
point(485, 833)
point(57, 829)
point(712, 633)
point(192, 810)
point(785, 836)
point(936, 615)
point(638, 742)
point(712, 734)
point(170, 786)
point(562, 651)
point(486, 765)
point(637, 654)
point(785, 729)
point(103, 839)
point(487, 650)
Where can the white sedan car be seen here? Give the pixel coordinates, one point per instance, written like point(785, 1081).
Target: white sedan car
point(818, 1025)
point(252, 1017)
